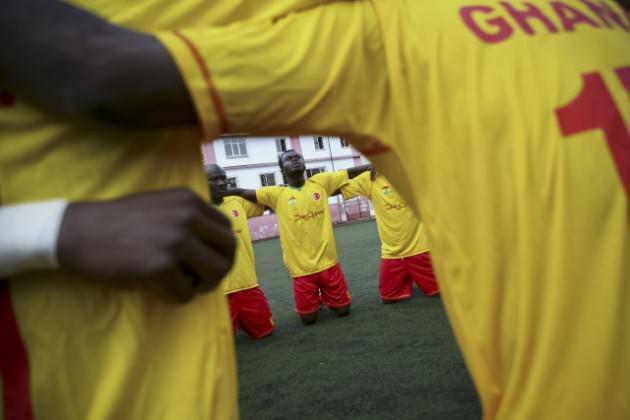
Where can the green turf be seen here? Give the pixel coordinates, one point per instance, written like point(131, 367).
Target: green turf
point(382, 362)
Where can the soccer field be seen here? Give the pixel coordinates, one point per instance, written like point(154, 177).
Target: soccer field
point(397, 361)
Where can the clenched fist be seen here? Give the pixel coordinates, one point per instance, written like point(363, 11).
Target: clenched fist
point(170, 242)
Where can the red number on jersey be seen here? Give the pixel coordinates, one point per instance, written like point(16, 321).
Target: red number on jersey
point(6, 99)
point(594, 108)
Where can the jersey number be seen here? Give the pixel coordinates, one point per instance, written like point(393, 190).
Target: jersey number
point(594, 108)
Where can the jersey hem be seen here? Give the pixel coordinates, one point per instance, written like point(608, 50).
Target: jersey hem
point(241, 289)
point(319, 270)
point(406, 255)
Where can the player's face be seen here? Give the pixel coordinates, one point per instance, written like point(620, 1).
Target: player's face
point(293, 162)
point(218, 183)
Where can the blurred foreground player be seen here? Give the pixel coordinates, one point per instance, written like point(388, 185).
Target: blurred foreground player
point(90, 261)
point(405, 257)
point(248, 306)
point(306, 234)
point(506, 124)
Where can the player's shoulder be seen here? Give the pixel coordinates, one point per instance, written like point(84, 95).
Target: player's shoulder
point(364, 177)
point(277, 188)
point(321, 178)
point(273, 191)
point(233, 201)
point(317, 181)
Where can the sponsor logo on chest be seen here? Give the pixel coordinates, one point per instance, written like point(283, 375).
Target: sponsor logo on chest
point(311, 215)
point(395, 206)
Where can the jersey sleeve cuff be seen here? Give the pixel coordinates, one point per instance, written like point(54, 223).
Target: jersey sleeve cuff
point(29, 236)
point(196, 75)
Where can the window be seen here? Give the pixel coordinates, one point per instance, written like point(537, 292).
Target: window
point(281, 145)
point(319, 143)
point(314, 171)
point(344, 142)
point(231, 182)
point(235, 148)
point(267, 180)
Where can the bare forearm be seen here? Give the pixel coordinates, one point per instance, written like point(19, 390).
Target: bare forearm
point(73, 62)
point(249, 195)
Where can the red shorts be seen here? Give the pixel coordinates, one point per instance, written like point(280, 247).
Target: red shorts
point(396, 277)
point(250, 312)
point(328, 287)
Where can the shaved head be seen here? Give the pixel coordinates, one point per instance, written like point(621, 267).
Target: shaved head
point(217, 180)
point(214, 169)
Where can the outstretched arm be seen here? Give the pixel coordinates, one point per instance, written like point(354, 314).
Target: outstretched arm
point(358, 170)
point(77, 64)
point(359, 186)
point(249, 195)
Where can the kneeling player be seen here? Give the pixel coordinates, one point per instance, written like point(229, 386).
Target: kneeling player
point(249, 309)
point(405, 254)
point(306, 234)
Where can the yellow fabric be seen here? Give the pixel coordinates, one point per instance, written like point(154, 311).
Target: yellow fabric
point(402, 233)
point(306, 233)
point(151, 15)
point(243, 273)
point(101, 354)
point(528, 228)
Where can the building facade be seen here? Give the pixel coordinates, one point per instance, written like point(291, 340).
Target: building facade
point(252, 163)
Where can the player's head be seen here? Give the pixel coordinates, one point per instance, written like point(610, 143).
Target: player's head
point(291, 162)
point(217, 180)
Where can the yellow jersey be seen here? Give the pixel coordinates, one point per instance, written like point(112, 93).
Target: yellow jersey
point(124, 354)
point(306, 233)
point(242, 276)
point(401, 232)
point(506, 124)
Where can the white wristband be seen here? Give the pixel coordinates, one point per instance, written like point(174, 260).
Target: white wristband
point(28, 236)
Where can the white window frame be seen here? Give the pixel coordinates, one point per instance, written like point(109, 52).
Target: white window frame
point(280, 142)
point(264, 179)
point(231, 181)
point(318, 143)
point(235, 148)
point(314, 171)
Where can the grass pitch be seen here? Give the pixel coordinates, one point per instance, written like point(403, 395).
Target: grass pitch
point(397, 361)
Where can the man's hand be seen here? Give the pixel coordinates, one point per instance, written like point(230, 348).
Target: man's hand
point(170, 242)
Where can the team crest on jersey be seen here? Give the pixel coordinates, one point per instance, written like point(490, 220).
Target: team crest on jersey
point(292, 201)
point(316, 196)
point(235, 213)
point(387, 190)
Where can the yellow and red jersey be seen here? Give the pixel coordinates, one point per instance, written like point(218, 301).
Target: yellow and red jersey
point(130, 355)
point(306, 233)
point(401, 232)
point(506, 124)
point(242, 276)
